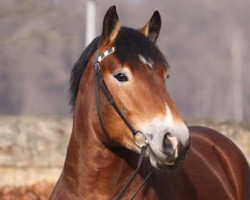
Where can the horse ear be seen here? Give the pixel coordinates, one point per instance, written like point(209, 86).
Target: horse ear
point(111, 26)
point(152, 29)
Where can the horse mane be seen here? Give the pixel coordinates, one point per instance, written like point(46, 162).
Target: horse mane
point(79, 68)
point(129, 44)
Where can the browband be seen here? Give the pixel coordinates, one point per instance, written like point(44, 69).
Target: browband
point(106, 53)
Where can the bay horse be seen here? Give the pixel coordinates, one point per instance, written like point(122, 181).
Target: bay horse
point(122, 109)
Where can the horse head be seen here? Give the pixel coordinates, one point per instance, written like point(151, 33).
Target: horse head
point(135, 72)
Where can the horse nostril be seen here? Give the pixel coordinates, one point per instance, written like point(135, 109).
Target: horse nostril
point(166, 141)
point(168, 147)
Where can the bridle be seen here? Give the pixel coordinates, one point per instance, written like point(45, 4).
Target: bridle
point(100, 83)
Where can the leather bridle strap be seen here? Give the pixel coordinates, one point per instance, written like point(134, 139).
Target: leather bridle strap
point(142, 184)
point(98, 102)
point(132, 177)
point(99, 82)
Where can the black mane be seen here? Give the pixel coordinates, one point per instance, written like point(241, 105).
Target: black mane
point(129, 44)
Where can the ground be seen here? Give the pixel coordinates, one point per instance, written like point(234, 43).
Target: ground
point(38, 191)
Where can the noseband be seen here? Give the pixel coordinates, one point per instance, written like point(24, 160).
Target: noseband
point(100, 83)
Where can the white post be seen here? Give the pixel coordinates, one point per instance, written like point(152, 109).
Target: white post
point(90, 32)
point(236, 54)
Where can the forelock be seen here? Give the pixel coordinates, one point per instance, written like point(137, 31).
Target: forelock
point(131, 43)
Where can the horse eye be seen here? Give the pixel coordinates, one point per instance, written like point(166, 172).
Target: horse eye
point(121, 77)
point(168, 76)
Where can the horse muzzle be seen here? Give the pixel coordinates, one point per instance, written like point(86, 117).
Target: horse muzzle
point(168, 149)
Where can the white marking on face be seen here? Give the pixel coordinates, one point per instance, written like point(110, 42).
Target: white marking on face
point(180, 130)
point(169, 117)
point(145, 61)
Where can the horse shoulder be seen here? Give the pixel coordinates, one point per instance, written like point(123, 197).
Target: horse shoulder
point(217, 166)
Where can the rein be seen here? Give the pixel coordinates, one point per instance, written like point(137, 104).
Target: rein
point(100, 83)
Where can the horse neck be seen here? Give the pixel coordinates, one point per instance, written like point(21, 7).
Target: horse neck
point(89, 162)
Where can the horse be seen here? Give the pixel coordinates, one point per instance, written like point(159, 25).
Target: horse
point(128, 139)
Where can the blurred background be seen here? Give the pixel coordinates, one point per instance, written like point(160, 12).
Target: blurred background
point(206, 43)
